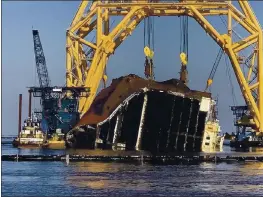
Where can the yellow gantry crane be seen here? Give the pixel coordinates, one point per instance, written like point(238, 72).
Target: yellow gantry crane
point(86, 60)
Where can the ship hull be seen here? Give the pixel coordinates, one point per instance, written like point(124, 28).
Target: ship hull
point(161, 123)
point(27, 143)
point(135, 114)
point(17, 144)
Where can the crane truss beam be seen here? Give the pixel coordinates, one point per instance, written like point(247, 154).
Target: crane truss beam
point(42, 71)
point(87, 71)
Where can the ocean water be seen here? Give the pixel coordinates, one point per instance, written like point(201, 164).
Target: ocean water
point(124, 179)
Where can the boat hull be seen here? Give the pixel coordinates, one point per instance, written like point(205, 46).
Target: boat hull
point(27, 143)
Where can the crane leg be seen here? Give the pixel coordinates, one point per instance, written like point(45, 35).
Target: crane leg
point(260, 79)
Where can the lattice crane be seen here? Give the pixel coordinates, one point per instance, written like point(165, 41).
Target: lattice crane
point(58, 104)
point(95, 17)
point(42, 71)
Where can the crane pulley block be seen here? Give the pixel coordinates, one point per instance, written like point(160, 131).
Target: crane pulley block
point(148, 69)
point(183, 58)
point(148, 52)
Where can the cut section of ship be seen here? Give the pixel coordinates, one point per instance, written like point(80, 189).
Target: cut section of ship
point(138, 114)
point(212, 140)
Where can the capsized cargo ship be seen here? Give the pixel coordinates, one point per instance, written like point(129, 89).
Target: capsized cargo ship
point(31, 134)
point(138, 114)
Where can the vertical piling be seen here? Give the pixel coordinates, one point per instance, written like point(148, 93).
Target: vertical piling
point(19, 113)
point(29, 103)
point(141, 158)
point(67, 159)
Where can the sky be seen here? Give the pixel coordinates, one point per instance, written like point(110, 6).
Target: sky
point(52, 18)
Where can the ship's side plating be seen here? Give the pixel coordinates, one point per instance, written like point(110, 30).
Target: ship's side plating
point(165, 119)
point(137, 114)
point(155, 121)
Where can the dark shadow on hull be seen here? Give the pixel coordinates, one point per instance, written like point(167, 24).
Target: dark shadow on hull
point(171, 124)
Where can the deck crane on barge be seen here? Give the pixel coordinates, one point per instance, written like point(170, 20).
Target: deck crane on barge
point(58, 113)
point(44, 82)
point(95, 17)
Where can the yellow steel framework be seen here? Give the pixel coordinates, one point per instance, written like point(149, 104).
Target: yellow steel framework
point(86, 60)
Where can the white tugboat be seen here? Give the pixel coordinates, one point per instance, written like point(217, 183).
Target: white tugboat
point(31, 134)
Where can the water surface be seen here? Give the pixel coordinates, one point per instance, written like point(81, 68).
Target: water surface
point(124, 179)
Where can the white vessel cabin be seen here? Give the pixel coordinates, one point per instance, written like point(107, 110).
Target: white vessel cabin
point(31, 133)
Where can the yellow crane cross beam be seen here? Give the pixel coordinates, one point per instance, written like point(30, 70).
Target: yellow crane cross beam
point(87, 69)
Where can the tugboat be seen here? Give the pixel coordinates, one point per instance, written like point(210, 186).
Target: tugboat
point(31, 134)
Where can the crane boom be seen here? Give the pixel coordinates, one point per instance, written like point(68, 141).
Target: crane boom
point(89, 74)
point(42, 71)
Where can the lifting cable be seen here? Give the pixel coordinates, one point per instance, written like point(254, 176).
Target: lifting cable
point(149, 32)
point(228, 72)
point(184, 35)
point(149, 47)
point(184, 48)
point(214, 68)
